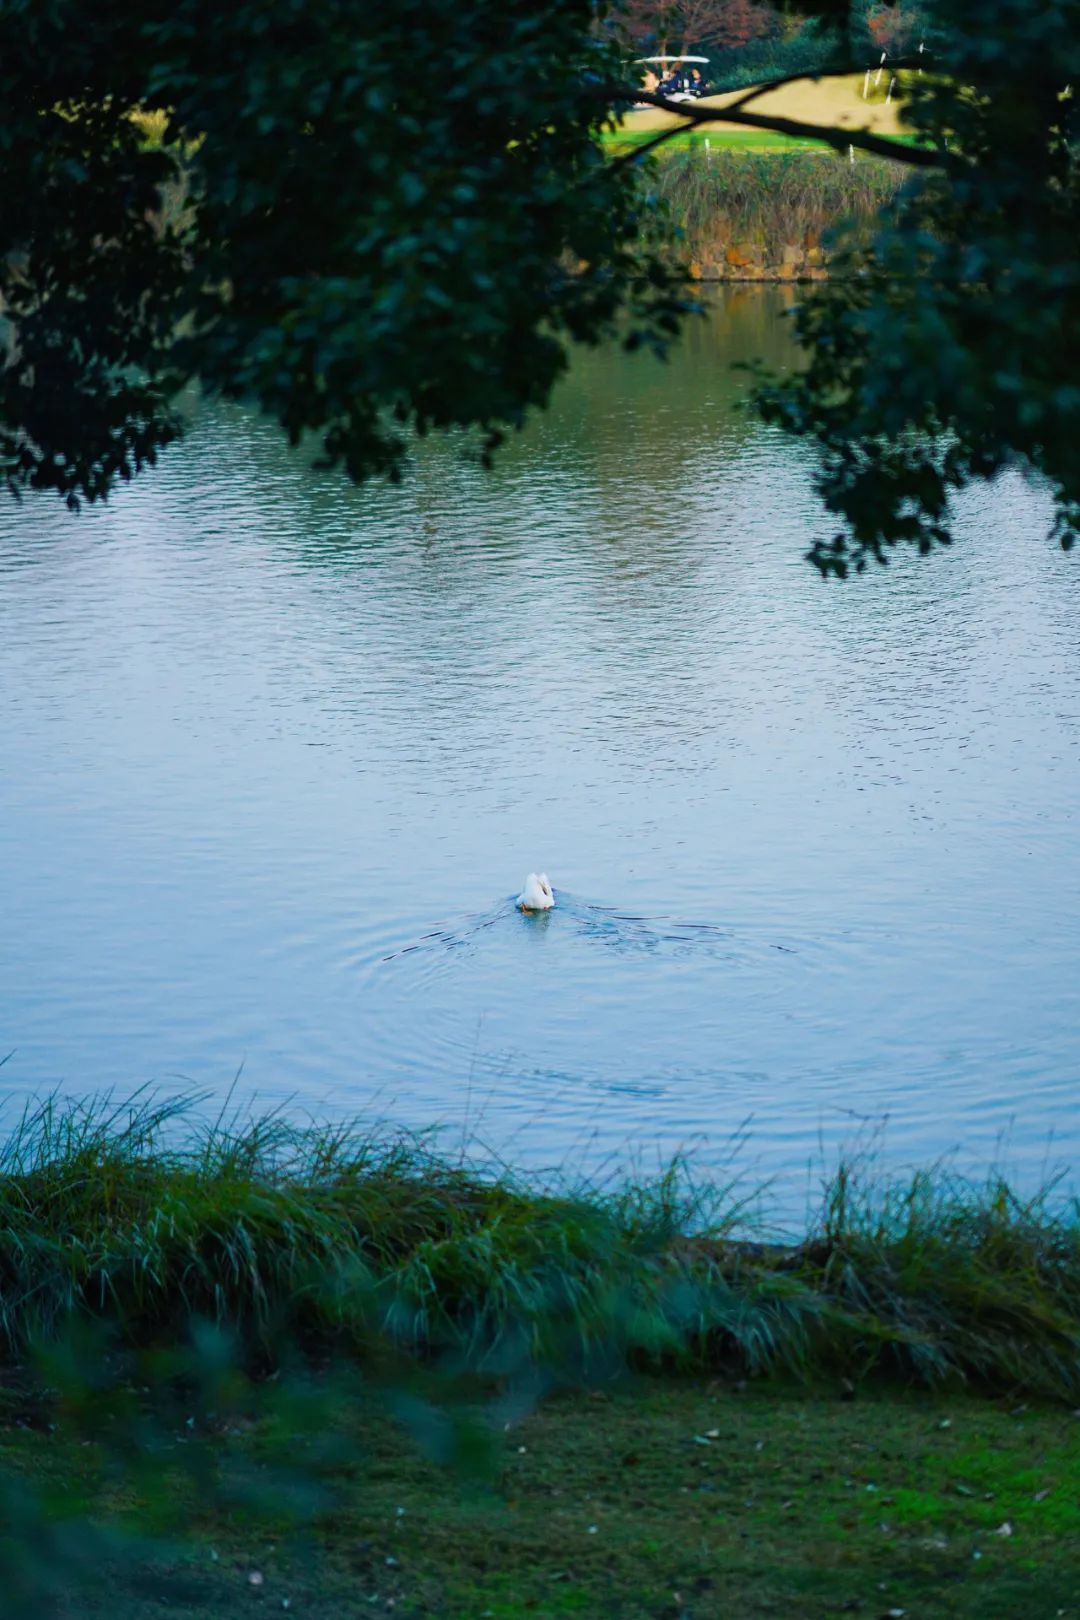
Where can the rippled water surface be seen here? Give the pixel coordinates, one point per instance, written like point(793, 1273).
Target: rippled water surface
point(276, 755)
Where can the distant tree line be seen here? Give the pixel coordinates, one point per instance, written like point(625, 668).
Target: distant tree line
point(725, 28)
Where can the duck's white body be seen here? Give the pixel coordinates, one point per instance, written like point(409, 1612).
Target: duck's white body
point(536, 894)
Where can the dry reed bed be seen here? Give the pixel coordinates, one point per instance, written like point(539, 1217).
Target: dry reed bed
point(763, 210)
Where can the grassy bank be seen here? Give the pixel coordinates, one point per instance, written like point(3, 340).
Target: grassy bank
point(649, 1501)
point(320, 1370)
point(764, 211)
point(146, 1220)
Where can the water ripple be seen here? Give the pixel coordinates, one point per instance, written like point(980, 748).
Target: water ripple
point(272, 748)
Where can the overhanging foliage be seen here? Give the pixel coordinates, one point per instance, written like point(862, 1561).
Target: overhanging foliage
point(949, 347)
point(365, 216)
point(373, 219)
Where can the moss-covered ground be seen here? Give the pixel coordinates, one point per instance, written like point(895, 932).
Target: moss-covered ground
point(655, 1499)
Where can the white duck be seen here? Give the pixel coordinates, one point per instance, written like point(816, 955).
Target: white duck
point(536, 894)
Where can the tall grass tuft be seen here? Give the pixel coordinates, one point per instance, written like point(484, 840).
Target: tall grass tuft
point(144, 1219)
point(956, 1277)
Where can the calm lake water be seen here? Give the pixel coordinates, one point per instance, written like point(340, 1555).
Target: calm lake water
point(277, 754)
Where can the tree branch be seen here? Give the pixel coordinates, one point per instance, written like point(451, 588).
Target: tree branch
point(756, 90)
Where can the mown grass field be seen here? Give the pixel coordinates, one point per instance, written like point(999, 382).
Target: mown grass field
point(625, 138)
point(818, 101)
point(726, 138)
point(687, 1501)
point(827, 102)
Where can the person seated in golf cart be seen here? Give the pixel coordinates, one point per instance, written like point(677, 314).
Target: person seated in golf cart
point(677, 77)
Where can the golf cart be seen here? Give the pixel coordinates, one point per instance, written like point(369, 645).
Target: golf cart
point(677, 77)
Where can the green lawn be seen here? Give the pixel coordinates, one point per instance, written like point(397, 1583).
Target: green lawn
point(828, 103)
point(726, 139)
point(661, 1500)
point(624, 140)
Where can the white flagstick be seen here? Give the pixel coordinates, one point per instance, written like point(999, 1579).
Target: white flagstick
point(888, 98)
point(877, 75)
point(866, 85)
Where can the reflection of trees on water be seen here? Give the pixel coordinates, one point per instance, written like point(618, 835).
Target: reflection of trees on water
point(614, 469)
point(621, 422)
point(640, 544)
point(572, 568)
